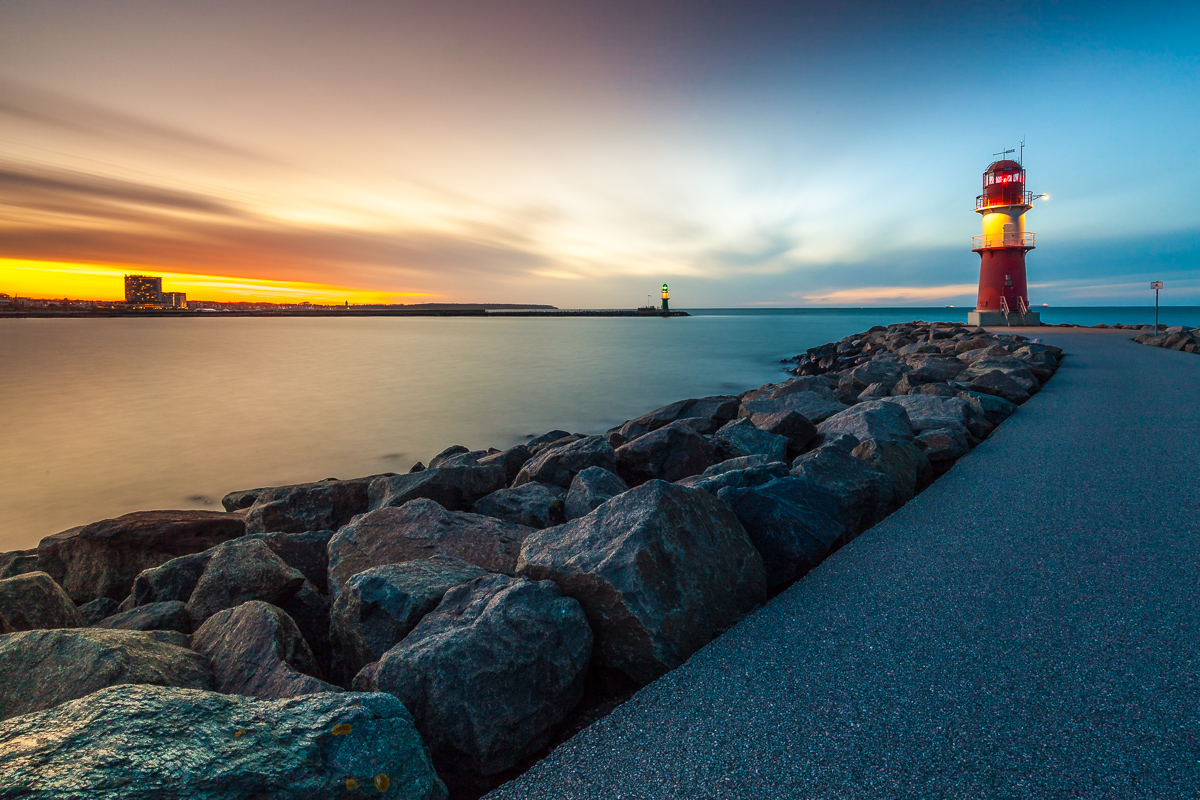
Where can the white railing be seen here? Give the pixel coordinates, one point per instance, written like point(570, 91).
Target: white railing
point(985, 240)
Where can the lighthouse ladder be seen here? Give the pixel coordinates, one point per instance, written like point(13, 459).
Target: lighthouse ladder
point(1004, 307)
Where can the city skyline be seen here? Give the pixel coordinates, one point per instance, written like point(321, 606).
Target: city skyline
point(773, 154)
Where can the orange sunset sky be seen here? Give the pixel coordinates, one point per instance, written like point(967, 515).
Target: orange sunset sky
point(583, 154)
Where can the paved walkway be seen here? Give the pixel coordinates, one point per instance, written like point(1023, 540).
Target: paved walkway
point(1028, 627)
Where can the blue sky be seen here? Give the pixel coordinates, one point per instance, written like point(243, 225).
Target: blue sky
point(582, 153)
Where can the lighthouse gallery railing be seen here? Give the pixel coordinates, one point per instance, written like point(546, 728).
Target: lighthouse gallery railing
point(984, 240)
point(1003, 199)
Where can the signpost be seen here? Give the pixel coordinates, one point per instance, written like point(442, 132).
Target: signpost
point(1156, 285)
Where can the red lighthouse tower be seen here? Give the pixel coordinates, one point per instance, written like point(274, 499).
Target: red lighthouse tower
point(1003, 294)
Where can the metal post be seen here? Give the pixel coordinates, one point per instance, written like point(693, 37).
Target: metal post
point(1156, 285)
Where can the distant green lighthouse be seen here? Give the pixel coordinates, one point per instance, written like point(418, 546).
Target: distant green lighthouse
point(666, 298)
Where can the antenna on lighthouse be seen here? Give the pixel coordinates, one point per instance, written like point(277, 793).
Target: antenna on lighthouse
point(1021, 158)
point(1003, 153)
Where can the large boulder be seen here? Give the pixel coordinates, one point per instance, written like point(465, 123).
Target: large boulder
point(256, 649)
point(669, 453)
point(309, 609)
point(943, 446)
point(876, 371)
point(103, 558)
point(97, 610)
point(926, 412)
point(34, 601)
point(18, 562)
point(737, 472)
point(454, 488)
point(44, 668)
point(721, 408)
point(900, 460)
point(864, 494)
point(238, 572)
point(307, 552)
point(379, 606)
point(150, 742)
point(994, 409)
point(796, 428)
point(324, 505)
point(814, 406)
point(490, 672)
point(590, 489)
point(874, 419)
point(511, 460)
point(741, 437)
point(170, 615)
point(1001, 385)
point(420, 529)
point(660, 570)
point(933, 368)
point(174, 580)
point(793, 522)
point(558, 466)
point(1015, 368)
point(536, 505)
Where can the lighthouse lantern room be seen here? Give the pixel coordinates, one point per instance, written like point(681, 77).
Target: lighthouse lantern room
point(1003, 293)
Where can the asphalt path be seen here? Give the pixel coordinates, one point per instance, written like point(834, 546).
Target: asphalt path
point(1027, 627)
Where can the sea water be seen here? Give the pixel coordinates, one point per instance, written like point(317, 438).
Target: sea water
point(100, 417)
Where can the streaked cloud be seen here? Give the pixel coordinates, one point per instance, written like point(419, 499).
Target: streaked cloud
point(581, 154)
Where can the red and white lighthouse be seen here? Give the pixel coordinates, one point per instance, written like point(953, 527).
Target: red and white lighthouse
point(1003, 293)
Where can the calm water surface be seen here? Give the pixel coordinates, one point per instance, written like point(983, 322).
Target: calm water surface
point(102, 417)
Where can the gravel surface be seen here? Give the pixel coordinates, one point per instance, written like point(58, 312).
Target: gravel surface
point(1025, 628)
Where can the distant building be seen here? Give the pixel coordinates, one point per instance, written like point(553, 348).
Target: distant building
point(174, 299)
point(143, 290)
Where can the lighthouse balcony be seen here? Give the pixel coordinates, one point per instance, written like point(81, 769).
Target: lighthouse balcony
point(1006, 198)
point(988, 241)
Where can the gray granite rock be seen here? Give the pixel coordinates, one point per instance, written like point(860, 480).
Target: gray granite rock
point(899, 459)
point(741, 437)
point(103, 558)
point(420, 529)
point(379, 606)
point(256, 650)
point(34, 601)
point(153, 743)
point(874, 419)
point(590, 489)
point(536, 505)
point(864, 494)
point(169, 615)
point(490, 672)
point(660, 570)
point(238, 572)
point(558, 466)
point(793, 522)
point(453, 488)
point(44, 668)
point(97, 610)
point(814, 406)
point(669, 453)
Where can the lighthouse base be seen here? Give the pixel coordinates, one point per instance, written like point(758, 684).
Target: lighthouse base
point(984, 319)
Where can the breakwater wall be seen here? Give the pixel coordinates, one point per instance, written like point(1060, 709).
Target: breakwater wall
point(456, 621)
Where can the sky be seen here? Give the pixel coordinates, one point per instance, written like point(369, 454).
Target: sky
point(583, 153)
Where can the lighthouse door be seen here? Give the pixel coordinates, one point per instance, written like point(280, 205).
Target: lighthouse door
point(1010, 233)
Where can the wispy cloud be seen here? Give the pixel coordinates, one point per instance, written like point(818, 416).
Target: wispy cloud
point(875, 295)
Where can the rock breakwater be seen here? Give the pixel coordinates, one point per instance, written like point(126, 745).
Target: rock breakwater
point(444, 627)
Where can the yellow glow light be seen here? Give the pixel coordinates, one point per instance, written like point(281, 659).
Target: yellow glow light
point(56, 279)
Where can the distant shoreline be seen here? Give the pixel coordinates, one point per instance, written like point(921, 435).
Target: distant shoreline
point(347, 312)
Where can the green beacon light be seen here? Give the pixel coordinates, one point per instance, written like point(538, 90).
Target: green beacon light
point(666, 298)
